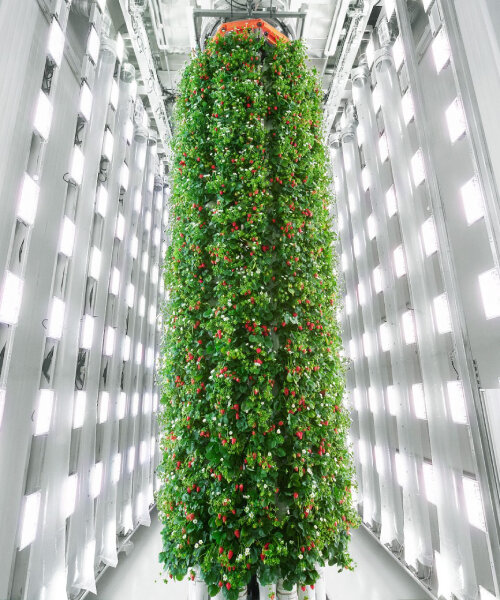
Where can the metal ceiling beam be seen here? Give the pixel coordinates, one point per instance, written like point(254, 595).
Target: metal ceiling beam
point(142, 50)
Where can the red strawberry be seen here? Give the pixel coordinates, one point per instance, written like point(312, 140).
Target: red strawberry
point(230, 554)
point(221, 550)
point(237, 533)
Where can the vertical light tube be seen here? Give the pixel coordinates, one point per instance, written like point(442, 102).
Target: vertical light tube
point(417, 532)
point(391, 510)
point(106, 509)
point(81, 535)
point(370, 495)
point(455, 543)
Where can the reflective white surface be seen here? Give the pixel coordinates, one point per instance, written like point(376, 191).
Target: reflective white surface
point(138, 575)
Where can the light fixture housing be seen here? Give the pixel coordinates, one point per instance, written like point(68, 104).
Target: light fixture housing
point(55, 45)
point(43, 116)
point(472, 200)
point(43, 413)
point(79, 409)
point(489, 285)
point(67, 238)
point(56, 319)
point(86, 100)
point(93, 45)
point(76, 166)
point(87, 332)
point(11, 295)
point(28, 200)
point(29, 519)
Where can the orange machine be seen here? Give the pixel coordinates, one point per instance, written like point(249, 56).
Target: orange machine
point(272, 34)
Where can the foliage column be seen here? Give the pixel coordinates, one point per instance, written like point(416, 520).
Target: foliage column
point(256, 470)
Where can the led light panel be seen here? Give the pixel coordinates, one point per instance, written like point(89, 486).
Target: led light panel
point(489, 284)
point(103, 407)
point(108, 145)
point(145, 261)
point(93, 45)
point(390, 201)
point(134, 247)
point(343, 262)
point(154, 274)
point(95, 263)
point(376, 99)
point(101, 204)
point(429, 236)
point(86, 100)
point(124, 177)
point(55, 46)
point(114, 283)
point(96, 480)
point(116, 465)
point(138, 353)
point(120, 226)
point(11, 295)
point(472, 199)
point(393, 400)
point(109, 341)
point(418, 168)
point(135, 404)
point(43, 116)
point(122, 405)
point(441, 50)
point(401, 468)
point(409, 331)
point(120, 47)
point(43, 413)
point(455, 119)
point(126, 348)
point(147, 220)
point(383, 148)
point(442, 313)
point(87, 332)
point(418, 397)
point(356, 246)
point(352, 350)
point(370, 53)
point(385, 337)
point(361, 293)
point(142, 306)
point(130, 295)
point(348, 304)
point(56, 319)
point(399, 261)
point(67, 239)
point(351, 200)
point(379, 460)
point(143, 452)
point(398, 53)
point(129, 131)
point(28, 200)
point(408, 107)
point(378, 279)
point(372, 400)
point(68, 499)
point(152, 314)
point(474, 503)
point(456, 401)
point(114, 94)
point(131, 459)
point(429, 482)
point(79, 409)
point(29, 519)
point(76, 166)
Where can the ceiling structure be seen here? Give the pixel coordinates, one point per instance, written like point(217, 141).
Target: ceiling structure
point(160, 34)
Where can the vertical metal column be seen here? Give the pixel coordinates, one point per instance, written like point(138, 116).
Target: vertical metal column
point(417, 533)
point(391, 509)
point(370, 495)
point(455, 540)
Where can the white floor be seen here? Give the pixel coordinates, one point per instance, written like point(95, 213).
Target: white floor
point(138, 575)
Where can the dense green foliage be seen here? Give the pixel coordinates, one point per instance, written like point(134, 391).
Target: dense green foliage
point(256, 470)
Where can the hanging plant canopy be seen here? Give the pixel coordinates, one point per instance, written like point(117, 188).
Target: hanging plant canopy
point(256, 471)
